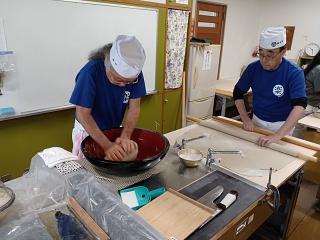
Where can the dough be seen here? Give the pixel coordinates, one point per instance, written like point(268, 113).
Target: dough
point(129, 157)
point(132, 156)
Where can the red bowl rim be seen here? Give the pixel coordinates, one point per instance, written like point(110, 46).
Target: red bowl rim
point(159, 155)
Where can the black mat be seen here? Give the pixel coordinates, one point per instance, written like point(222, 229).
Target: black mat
point(247, 195)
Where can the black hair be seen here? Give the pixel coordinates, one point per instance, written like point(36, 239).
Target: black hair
point(315, 61)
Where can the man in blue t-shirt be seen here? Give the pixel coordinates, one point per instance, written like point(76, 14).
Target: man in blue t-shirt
point(278, 89)
point(110, 83)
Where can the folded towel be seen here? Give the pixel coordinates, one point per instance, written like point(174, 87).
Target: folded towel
point(55, 155)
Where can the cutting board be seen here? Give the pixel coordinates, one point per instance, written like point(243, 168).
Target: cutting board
point(175, 215)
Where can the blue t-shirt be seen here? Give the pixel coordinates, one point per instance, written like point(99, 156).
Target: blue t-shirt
point(273, 90)
point(108, 102)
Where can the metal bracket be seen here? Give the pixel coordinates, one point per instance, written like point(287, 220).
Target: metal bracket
point(276, 195)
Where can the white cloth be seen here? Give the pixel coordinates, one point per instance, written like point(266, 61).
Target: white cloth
point(78, 134)
point(269, 126)
point(55, 155)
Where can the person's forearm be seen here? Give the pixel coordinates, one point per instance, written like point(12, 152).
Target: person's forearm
point(131, 118)
point(88, 123)
point(291, 121)
point(241, 108)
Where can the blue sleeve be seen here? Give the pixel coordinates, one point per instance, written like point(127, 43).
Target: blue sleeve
point(84, 91)
point(297, 84)
point(245, 80)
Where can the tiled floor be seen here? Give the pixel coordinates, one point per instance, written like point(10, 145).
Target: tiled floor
point(305, 224)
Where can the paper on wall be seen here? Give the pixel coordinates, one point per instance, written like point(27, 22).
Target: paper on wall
point(3, 44)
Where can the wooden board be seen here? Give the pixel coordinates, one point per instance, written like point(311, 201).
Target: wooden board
point(310, 121)
point(174, 215)
point(86, 220)
point(257, 160)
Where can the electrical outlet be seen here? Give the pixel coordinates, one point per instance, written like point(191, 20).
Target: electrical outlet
point(241, 226)
point(250, 219)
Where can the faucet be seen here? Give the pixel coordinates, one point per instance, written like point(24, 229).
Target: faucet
point(184, 141)
point(211, 160)
point(217, 161)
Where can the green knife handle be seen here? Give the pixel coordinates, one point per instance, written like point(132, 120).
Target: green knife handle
point(157, 192)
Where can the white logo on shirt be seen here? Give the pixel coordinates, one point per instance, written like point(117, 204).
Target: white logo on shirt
point(278, 90)
point(126, 97)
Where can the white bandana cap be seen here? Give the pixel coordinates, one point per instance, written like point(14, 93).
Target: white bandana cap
point(127, 56)
point(273, 37)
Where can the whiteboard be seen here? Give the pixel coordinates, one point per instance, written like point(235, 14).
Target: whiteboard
point(51, 40)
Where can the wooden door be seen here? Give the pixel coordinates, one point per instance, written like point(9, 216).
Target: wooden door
point(209, 21)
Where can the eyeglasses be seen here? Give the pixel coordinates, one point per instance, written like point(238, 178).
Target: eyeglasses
point(119, 81)
point(268, 57)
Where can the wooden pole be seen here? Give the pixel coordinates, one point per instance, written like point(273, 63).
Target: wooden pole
point(183, 104)
point(295, 141)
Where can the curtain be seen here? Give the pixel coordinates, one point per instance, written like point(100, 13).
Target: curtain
point(176, 47)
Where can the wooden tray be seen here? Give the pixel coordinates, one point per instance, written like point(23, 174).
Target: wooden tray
point(175, 215)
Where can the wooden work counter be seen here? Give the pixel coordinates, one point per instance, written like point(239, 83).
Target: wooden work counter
point(232, 225)
point(239, 221)
point(310, 121)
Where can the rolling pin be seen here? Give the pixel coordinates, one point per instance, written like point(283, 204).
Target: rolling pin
point(298, 142)
point(224, 128)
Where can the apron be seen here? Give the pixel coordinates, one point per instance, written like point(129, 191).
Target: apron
point(270, 126)
point(78, 134)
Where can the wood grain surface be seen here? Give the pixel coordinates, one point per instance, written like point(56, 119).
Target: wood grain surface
point(174, 215)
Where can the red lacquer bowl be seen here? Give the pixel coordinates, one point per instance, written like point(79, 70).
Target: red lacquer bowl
point(152, 149)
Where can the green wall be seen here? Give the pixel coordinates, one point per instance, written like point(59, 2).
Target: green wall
point(22, 138)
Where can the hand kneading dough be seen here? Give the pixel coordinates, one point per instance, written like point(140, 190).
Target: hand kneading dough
point(131, 156)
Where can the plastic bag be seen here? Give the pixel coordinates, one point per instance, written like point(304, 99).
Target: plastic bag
point(8, 78)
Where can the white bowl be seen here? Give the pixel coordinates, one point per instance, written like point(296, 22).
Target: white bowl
point(190, 157)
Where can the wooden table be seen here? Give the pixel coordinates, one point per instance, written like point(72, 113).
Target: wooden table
point(250, 219)
point(310, 121)
point(224, 91)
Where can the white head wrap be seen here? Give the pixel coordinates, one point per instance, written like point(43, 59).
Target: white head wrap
point(273, 37)
point(127, 56)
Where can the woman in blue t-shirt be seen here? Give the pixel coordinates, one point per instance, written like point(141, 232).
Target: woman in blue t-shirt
point(108, 85)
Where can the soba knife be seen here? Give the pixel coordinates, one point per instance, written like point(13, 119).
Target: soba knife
point(223, 205)
point(211, 196)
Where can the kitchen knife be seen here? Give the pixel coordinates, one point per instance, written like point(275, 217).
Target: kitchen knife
point(223, 205)
point(212, 195)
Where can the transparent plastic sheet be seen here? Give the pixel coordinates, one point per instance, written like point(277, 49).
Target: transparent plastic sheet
point(8, 74)
point(99, 198)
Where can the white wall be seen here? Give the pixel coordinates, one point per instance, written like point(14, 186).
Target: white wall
point(245, 20)
point(304, 15)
